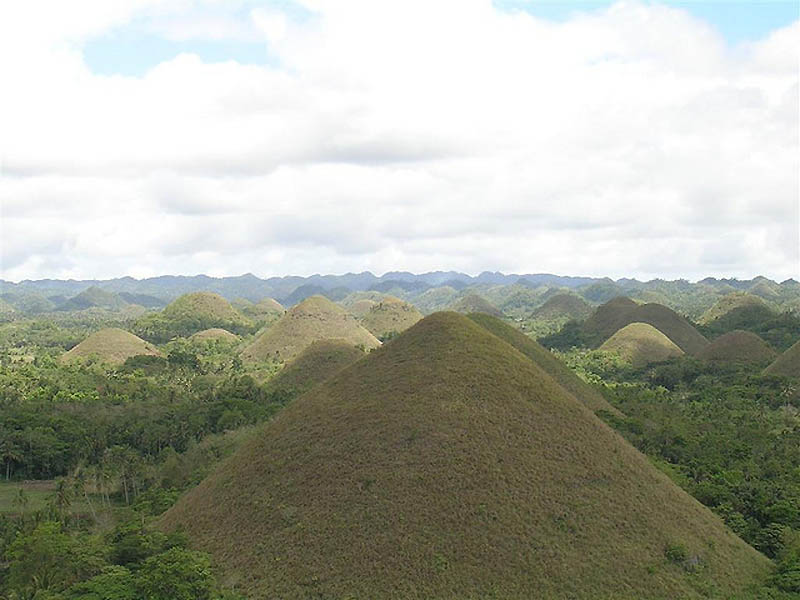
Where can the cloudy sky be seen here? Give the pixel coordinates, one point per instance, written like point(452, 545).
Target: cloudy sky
point(147, 137)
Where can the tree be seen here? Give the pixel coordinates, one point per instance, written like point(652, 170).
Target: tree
point(177, 574)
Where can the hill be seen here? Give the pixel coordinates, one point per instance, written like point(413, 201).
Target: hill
point(448, 465)
point(359, 308)
point(567, 306)
point(739, 346)
point(389, 317)
point(315, 318)
point(731, 302)
point(546, 361)
point(641, 344)
point(266, 308)
point(111, 345)
point(312, 366)
point(787, 364)
point(6, 309)
point(473, 303)
point(619, 312)
point(190, 314)
point(94, 297)
point(215, 333)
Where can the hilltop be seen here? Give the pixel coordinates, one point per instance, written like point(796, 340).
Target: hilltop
point(473, 303)
point(739, 346)
point(390, 316)
point(94, 297)
point(641, 344)
point(110, 345)
point(264, 309)
point(448, 465)
point(787, 364)
point(546, 361)
point(609, 317)
point(567, 306)
point(312, 366)
point(359, 308)
point(315, 318)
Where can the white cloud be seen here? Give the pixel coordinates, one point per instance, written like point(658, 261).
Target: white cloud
point(411, 135)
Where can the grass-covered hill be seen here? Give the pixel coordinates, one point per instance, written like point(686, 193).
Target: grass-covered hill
point(735, 301)
point(112, 345)
point(739, 346)
point(215, 333)
point(787, 364)
point(473, 303)
point(266, 308)
point(359, 308)
point(190, 314)
point(6, 309)
point(448, 465)
point(94, 297)
point(312, 366)
point(641, 344)
point(389, 317)
point(315, 318)
point(547, 361)
point(569, 306)
point(619, 312)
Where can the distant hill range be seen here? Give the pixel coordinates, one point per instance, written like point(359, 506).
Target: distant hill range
point(516, 294)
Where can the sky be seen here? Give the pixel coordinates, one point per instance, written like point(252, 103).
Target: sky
point(622, 139)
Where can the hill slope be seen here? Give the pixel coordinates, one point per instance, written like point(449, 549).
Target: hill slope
point(315, 318)
point(739, 346)
point(641, 344)
point(473, 303)
point(787, 364)
point(547, 361)
point(111, 345)
point(390, 315)
point(731, 302)
point(215, 333)
point(448, 465)
point(314, 365)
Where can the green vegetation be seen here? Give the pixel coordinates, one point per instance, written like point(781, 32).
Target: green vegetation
point(449, 465)
point(473, 303)
point(641, 344)
point(315, 318)
point(734, 301)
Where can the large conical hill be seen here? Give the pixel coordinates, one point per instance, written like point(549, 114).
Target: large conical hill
point(547, 361)
point(360, 308)
point(389, 317)
point(215, 334)
point(315, 318)
point(473, 303)
point(739, 346)
point(787, 364)
point(110, 345)
point(202, 305)
point(736, 301)
point(448, 465)
point(610, 317)
point(641, 344)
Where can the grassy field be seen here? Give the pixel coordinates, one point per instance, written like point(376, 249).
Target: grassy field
point(36, 495)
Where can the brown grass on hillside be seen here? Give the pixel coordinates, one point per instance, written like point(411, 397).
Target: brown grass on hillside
point(547, 361)
point(110, 345)
point(448, 465)
point(739, 346)
point(315, 318)
point(202, 305)
point(215, 333)
point(390, 315)
point(359, 308)
point(641, 344)
point(787, 364)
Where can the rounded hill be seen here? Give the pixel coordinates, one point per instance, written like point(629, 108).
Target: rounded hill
point(111, 345)
point(735, 301)
point(359, 308)
point(265, 308)
point(561, 306)
point(449, 465)
point(201, 306)
point(787, 364)
point(215, 333)
point(739, 346)
point(473, 303)
point(315, 318)
point(641, 344)
point(389, 317)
